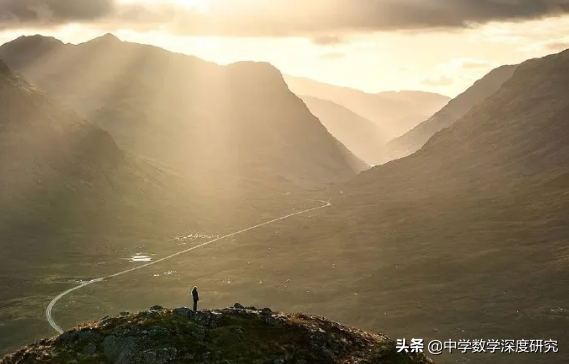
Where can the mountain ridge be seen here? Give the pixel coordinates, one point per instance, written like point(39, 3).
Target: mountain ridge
point(414, 139)
point(225, 113)
point(357, 133)
point(393, 113)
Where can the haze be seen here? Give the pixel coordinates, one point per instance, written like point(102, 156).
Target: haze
point(441, 46)
point(397, 166)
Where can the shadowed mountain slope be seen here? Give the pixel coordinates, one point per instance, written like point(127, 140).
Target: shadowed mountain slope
point(357, 133)
point(238, 124)
point(59, 172)
point(414, 139)
point(394, 113)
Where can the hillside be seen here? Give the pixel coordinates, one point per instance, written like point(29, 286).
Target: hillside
point(394, 113)
point(464, 239)
point(72, 203)
point(513, 136)
point(357, 133)
point(414, 139)
point(47, 151)
point(232, 335)
point(59, 172)
point(237, 125)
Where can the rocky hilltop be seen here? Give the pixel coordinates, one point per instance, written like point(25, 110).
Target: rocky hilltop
point(233, 335)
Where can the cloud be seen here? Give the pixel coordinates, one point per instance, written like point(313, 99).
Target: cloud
point(553, 45)
point(473, 64)
point(457, 65)
point(557, 46)
point(332, 56)
point(39, 13)
point(326, 40)
point(405, 68)
point(438, 81)
point(274, 18)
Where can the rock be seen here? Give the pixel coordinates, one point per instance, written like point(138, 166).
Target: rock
point(74, 335)
point(239, 306)
point(329, 352)
point(202, 317)
point(121, 331)
point(215, 320)
point(119, 350)
point(168, 339)
point(184, 312)
point(88, 335)
point(158, 331)
point(124, 313)
point(156, 308)
point(90, 349)
point(157, 356)
point(66, 338)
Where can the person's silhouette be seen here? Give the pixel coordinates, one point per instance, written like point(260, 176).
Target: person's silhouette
point(196, 297)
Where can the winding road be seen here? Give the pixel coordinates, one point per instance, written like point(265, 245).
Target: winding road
point(49, 309)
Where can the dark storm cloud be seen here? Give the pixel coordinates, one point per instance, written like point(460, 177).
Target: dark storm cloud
point(312, 18)
point(18, 13)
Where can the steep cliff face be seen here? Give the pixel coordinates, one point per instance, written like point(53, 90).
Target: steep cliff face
point(231, 335)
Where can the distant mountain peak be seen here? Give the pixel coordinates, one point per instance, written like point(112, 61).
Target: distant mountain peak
point(36, 41)
point(107, 38)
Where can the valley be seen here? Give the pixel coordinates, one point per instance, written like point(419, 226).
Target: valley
point(404, 213)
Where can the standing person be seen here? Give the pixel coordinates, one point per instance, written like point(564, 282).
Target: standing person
point(196, 297)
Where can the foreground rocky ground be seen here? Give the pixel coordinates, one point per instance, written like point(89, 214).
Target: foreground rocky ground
point(232, 335)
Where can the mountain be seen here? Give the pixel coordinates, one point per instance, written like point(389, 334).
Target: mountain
point(236, 335)
point(394, 113)
point(357, 133)
point(60, 173)
point(237, 126)
point(465, 238)
point(414, 139)
point(47, 151)
point(74, 204)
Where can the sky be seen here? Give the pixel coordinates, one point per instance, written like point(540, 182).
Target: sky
point(440, 46)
